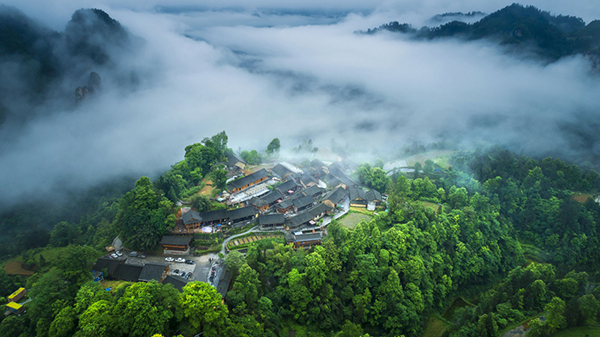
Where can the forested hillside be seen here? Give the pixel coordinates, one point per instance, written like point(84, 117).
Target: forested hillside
point(511, 235)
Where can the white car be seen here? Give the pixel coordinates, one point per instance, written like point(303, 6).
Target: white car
point(118, 252)
point(180, 259)
point(169, 259)
point(114, 256)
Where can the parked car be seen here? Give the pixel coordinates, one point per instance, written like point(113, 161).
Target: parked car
point(189, 262)
point(176, 271)
point(114, 256)
point(133, 254)
point(143, 256)
point(180, 259)
point(188, 275)
point(118, 252)
point(169, 259)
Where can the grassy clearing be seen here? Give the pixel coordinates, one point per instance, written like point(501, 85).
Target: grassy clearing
point(431, 205)
point(207, 189)
point(592, 331)
point(457, 304)
point(361, 210)
point(533, 253)
point(435, 326)
point(439, 157)
point(14, 268)
point(581, 197)
point(352, 219)
point(113, 284)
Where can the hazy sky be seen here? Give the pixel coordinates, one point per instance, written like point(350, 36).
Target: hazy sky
point(294, 70)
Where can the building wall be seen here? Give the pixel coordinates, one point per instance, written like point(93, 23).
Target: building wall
point(177, 252)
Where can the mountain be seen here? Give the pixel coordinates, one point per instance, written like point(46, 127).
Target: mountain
point(37, 62)
point(518, 28)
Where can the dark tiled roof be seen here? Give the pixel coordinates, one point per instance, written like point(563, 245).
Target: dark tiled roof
point(356, 193)
point(336, 195)
point(272, 196)
point(223, 285)
point(191, 217)
point(373, 195)
point(317, 164)
point(241, 213)
point(152, 271)
point(307, 179)
point(303, 201)
point(280, 170)
point(109, 264)
point(300, 219)
point(233, 159)
point(248, 179)
point(332, 180)
point(313, 190)
point(271, 219)
point(214, 215)
point(128, 272)
point(307, 237)
point(177, 281)
point(287, 185)
point(258, 202)
point(285, 204)
point(320, 208)
point(175, 240)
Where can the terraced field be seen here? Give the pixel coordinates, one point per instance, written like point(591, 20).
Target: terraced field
point(252, 238)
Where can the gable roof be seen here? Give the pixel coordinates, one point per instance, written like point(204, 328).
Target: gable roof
point(356, 193)
point(128, 272)
point(300, 219)
point(233, 159)
point(175, 240)
point(214, 215)
point(262, 173)
point(109, 264)
point(241, 213)
point(224, 282)
point(332, 180)
point(191, 217)
point(307, 179)
point(336, 195)
point(152, 271)
point(258, 202)
point(312, 190)
point(285, 204)
point(272, 196)
point(281, 170)
point(177, 281)
point(316, 163)
point(303, 201)
point(307, 237)
point(320, 208)
point(271, 219)
point(373, 195)
point(287, 185)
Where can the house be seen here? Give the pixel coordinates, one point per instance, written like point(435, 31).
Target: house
point(128, 272)
point(224, 284)
point(333, 181)
point(17, 295)
point(320, 166)
point(313, 191)
point(259, 204)
point(288, 187)
point(273, 197)
point(307, 180)
point(374, 197)
point(178, 245)
point(214, 217)
point(242, 214)
point(302, 219)
point(109, 264)
point(357, 196)
point(154, 271)
point(285, 206)
point(320, 210)
point(302, 203)
point(306, 240)
point(247, 181)
point(191, 219)
point(281, 171)
point(271, 220)
point(335, 197)
point(177, 281)
point(234, 162)
point(15, 308)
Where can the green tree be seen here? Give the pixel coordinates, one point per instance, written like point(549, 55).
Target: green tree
point(200, 203)
point(219, 178)
point(273, 147)
point(234, 261)
point(64, 234)
point(556, 319)
point(144, 216)
point(203, 308)
point(98, 321)
point(64, 323)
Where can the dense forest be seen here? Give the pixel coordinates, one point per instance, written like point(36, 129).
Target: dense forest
point(518, 28)
point(511, 236)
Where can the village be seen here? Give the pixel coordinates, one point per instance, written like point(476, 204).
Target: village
point(280, 200)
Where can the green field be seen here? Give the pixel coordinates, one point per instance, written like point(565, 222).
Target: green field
point(435, 327)
point(431, 205)
point(591, 331)
point(352, 219)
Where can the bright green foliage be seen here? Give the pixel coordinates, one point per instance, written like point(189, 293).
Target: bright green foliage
point(203, 309)
point(64, 323)
point(88, 294)
point(274, 146)
point(251, 157)
point(234, 261)
point(374, 177)
point(219, 178)
point(144, 216)
point(99, 321)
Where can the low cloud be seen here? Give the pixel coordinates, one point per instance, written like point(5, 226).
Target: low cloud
point(261, 74)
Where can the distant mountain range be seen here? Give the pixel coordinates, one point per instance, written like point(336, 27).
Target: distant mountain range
point(38, 64)
point(518, 28)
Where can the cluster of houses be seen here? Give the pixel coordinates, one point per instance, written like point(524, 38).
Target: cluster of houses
point(13, 306)
point(117, 269)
